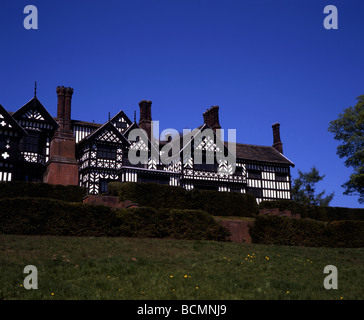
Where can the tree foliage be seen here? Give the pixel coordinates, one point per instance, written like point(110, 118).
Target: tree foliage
point(304, 189)
point(348, 128)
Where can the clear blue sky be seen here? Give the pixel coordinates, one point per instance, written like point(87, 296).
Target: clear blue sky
point(261, 61)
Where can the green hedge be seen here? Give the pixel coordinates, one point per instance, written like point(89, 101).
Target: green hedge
point(306, 232)
point(37, 216)
point(316, 212)
point(346, 233)
point(163, 196)
point(171, 223)
point(16, 189)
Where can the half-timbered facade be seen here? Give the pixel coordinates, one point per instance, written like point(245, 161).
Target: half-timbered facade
point(10, 135)
point(102, 152)
point(34, 147)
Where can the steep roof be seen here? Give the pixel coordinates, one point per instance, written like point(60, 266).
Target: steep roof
point(35, 111)
point(121, 121)
point(261, 153)
point(134, 125)
point(106, 127)
point(7, 121)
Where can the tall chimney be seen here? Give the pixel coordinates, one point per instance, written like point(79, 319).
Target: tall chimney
point(145, 120)
point(64, 108)
point(62, 167)
point(277, 144)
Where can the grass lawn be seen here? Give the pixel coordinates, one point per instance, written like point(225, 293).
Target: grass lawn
point(126, 268)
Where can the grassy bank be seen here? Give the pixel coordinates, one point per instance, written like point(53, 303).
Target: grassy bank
point(125, 268)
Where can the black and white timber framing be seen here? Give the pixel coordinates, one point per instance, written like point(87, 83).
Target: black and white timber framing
point(102, 155)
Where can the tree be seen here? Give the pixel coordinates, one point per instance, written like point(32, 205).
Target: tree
point(303, 189)
point(348, 128)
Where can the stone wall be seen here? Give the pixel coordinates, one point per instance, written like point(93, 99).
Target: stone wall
point(239, 229)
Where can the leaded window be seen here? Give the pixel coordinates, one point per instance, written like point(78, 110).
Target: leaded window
point(30, 143)
point(106, 152)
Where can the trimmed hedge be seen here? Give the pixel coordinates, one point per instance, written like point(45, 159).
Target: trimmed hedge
point(285, 231)
point(316, 212)
point(16, 189)
point(297, 232)
point(171, 223)
point(163, 196)
point(37, 216)
point(349, 234)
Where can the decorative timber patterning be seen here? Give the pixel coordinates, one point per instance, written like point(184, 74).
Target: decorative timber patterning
point(101, 151)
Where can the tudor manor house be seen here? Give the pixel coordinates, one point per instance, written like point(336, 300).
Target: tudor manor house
point(35, 146)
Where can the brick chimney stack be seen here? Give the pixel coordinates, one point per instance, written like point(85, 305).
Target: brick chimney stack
point(64, 108)
point(145, 120)
point(277, 144)
point(62, 167)
point(211, 117)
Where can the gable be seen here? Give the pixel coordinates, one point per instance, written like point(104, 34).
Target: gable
point(121, 121)
point(205, 142)
point(133, 126)
point(106, 133)
point(7, 123)
point(108, 136)
point(143, 144)
point(33, 115)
